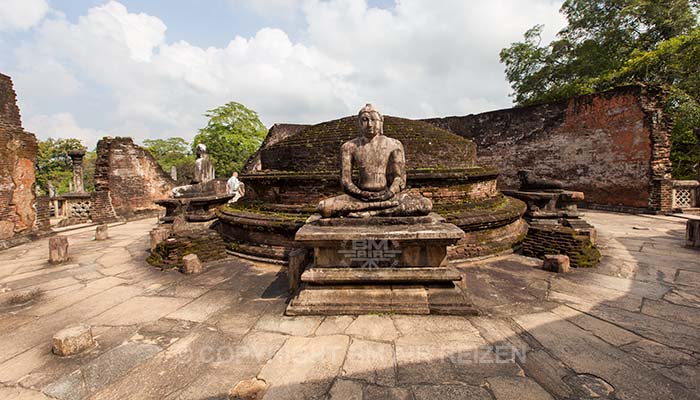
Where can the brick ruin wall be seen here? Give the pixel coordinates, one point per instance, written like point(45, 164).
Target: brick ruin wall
point(127, 181)
point(18, 150)
point(614, 146)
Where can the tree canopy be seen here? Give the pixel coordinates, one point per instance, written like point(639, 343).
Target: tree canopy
point(53, 165)
point(609, 43)
point(232, 134)
point(173, 152)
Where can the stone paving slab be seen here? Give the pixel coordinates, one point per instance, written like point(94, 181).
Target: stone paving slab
point(627, 329)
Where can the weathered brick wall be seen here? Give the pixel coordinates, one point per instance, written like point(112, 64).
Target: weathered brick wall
point(9, 112)
point(614, 145)
point(18, 151)
point(132, 178)
point(43, 213)
point(556, 239)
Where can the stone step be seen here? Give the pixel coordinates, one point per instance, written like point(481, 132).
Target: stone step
point(380, 275)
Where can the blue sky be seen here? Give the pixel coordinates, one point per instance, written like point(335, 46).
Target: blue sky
point(150, 69)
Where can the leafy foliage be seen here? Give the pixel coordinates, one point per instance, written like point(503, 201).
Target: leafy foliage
point(174, 151)
point(609, 43)
point(232, 134)
point(53, 165)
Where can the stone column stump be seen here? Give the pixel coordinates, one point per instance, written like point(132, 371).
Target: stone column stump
point(191, 265)
point(158, 236)
point(298, 260)
point(58, 249)
point(556, 263)
point(73, 340)
point(692, 233)
point(101, 232)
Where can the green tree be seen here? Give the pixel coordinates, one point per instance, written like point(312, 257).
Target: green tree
point(173, 152)
point(232, 134)
point(53, 165)
point(608, 43)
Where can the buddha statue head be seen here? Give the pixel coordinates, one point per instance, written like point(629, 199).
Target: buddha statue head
point(370, 122)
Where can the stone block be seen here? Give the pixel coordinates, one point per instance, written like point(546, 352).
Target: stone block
point(101, 232)
point(556, 263)
point(158, 235)
point(58, 249)
point(72, 340)
point(191, 264)
point(298, 259)
point(692, 233)
point(249, 389)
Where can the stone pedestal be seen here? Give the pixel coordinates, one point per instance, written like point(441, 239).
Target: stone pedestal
point(58, 249)
point(692, 233)
point(393, 264)
point(552, 205)
point(193, 209)
point(102, 232)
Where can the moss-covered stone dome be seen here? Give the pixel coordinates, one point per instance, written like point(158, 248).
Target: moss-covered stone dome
point(317, 148)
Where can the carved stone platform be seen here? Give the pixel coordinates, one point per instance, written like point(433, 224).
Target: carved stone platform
point(194, 209)
point(391, 264)
point(549, 204)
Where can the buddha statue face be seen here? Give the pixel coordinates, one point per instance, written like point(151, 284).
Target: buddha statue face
point(370, 122)
point(200, 150)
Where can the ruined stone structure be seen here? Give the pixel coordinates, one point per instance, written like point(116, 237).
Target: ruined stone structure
point(18, 149)
point(614, 146)
point(298, 167)
point(127, 181)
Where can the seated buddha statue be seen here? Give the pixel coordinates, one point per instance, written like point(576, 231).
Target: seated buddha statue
point(380, 189)
point(203, 173)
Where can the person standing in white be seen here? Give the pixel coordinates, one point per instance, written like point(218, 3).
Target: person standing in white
point(234, 187)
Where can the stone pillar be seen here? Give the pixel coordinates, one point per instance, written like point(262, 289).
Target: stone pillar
point(77, 158)
point(692, 233)
point(58, 249)
point(173, 172)
point(102, 232)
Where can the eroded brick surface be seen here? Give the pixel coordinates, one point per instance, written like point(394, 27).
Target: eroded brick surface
point(614, 146)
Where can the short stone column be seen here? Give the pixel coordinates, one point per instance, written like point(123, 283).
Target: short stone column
point(77, 157)
point(158, 236)
point(692, 233)
point(298, 259)
point(58, 249)
point(191, 264)
point(102, 232)
point(556, 263)
point(173, 172)
point(73, 340)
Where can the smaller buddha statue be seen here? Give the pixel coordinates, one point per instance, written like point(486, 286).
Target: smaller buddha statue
point(529, 182)
point(381, 186)
point(203, 173)
point(203, 167)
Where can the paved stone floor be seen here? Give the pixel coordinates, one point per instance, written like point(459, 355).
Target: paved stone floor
point(629, 329)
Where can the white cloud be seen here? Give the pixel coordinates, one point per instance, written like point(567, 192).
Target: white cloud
point(63, 125)
point(18, 15)
point(116, 72)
